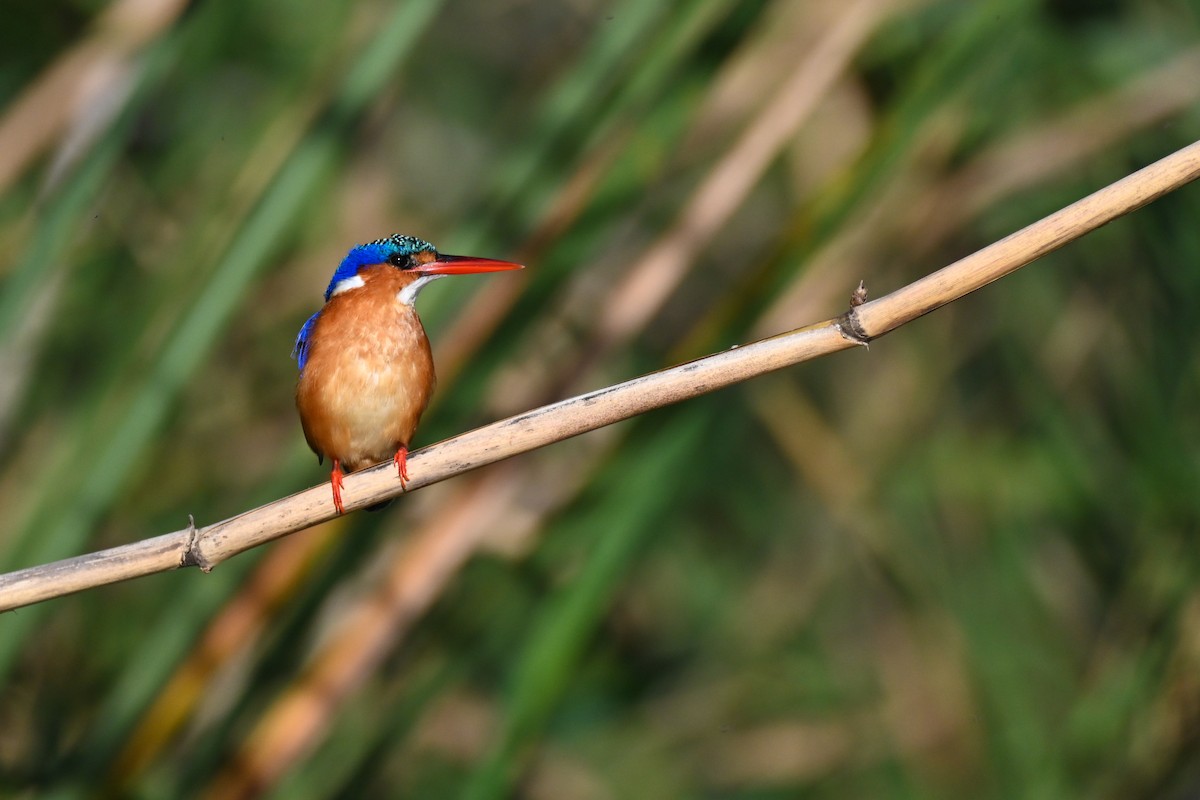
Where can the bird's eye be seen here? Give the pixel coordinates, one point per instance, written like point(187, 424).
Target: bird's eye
point(400, 260)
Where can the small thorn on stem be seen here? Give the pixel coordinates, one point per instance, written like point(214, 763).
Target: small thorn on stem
point(859, 295)
point(192, 556)
point(849, 324)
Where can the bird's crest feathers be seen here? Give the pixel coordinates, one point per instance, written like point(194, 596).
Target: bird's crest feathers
point(380, 251)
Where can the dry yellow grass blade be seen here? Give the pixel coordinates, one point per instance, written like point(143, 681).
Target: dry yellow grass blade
point(207, 547)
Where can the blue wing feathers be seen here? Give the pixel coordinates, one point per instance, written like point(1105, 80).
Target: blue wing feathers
point(300, 351)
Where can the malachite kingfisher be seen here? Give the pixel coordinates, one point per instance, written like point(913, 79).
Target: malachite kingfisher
point(366, 371)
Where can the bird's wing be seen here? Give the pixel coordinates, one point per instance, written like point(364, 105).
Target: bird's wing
point(300, 351)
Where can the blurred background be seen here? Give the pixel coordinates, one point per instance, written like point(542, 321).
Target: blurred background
point(959, 563)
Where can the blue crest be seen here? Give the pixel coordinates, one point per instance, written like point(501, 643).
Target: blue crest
point(379, 251)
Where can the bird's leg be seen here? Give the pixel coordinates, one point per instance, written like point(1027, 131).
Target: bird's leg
point(401, 462)
point(335, 480)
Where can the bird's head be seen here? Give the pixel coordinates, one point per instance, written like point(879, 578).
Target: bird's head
point(412, 256)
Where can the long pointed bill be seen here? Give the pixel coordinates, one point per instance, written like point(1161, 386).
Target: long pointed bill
point(464, 265)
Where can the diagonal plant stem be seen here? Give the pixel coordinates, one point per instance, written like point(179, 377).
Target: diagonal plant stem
point(206, 547)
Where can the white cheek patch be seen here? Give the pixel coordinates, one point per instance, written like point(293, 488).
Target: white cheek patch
point(408, 295)
point(347, 284)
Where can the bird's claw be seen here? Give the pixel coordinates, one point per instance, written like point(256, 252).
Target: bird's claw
point(401, 462)
point(335, 480)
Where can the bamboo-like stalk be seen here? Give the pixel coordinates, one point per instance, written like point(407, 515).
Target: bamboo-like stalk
point(206, 547)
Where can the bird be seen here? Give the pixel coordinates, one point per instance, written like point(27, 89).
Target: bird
point(365, 368)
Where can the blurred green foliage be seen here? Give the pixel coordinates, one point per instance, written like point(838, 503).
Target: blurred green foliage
point(961, 563)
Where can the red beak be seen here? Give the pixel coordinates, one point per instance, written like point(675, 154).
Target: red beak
point(464, 265)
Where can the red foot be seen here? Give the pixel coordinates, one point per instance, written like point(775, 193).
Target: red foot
point(335, 480)
point(401, 462)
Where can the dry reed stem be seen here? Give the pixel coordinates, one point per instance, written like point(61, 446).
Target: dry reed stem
point(207, 547)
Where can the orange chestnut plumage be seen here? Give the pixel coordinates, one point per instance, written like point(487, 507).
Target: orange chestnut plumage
point(366, 371)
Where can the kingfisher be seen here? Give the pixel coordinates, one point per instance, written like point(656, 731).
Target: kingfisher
point(366, 370)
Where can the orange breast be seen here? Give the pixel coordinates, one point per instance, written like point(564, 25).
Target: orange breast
point(369, 373)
